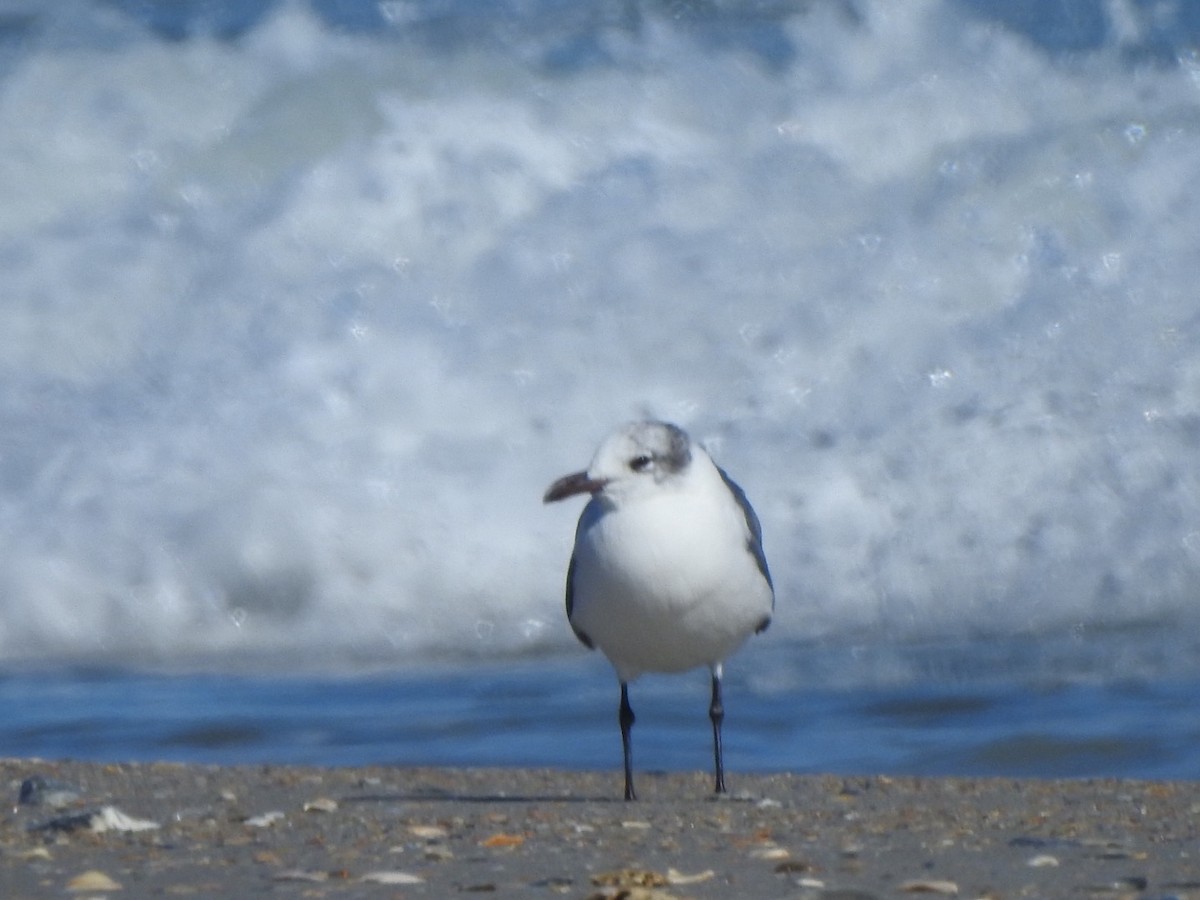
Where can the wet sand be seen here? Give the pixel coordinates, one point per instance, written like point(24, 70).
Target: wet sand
point(84, 830)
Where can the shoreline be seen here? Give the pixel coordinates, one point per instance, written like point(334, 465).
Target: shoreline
point(167, 829)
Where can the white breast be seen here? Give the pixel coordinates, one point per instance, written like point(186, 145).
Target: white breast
point(666, 581)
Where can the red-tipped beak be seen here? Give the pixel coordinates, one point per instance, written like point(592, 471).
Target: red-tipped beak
point(575, 483)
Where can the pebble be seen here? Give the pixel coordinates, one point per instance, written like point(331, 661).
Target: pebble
point(921, 886)
point(792, 866)
point(314, 877)
point(631, 893)
point(428, 832)
point(769, 853)
point(503, 840)
point(630, 878)
point(463, 832)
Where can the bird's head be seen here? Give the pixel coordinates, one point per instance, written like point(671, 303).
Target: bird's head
point(632, 460)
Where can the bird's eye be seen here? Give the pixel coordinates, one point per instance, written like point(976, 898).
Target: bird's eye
point(640, 463)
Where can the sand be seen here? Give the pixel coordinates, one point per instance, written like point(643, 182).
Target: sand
point(167, 830)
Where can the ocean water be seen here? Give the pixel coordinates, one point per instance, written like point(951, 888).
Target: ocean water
point(303, 305)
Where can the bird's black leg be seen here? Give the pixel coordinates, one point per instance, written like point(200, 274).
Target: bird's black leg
point(716, 712)
point(626, 718)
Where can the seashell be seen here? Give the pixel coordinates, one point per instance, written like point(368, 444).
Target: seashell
point(109, 818)
point(391, 877)
point(92, 880)
point(674, 876)
point(265, 820)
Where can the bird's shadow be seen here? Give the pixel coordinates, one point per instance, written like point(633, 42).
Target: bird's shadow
point(454, 797)
point(441, 796)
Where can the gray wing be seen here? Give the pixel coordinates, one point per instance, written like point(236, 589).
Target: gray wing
point(590, 515)
point(583, 638)
point(754, 542)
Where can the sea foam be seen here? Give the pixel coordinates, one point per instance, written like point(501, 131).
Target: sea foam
point(299, 322)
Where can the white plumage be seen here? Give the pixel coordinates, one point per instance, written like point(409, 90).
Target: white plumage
point(668, 571)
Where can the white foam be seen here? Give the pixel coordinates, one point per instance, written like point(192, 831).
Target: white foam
point(298, 327)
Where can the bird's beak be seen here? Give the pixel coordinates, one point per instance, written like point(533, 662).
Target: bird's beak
point(575, 483)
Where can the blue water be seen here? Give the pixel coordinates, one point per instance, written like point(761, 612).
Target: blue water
point(303, 305)
point(968, 719)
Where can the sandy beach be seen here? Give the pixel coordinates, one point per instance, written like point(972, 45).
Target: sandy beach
point(148, 830)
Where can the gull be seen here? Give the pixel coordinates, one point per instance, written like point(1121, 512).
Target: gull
point(668, 571)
